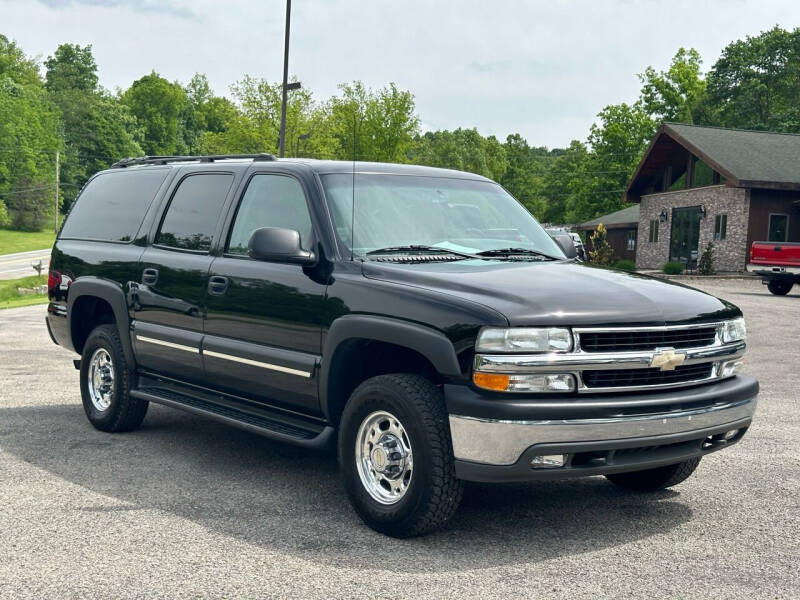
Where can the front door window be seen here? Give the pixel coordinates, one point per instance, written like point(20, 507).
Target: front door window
point(685, 235)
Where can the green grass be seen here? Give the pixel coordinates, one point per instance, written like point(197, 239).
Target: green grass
point(22, 241)
point(10, 296)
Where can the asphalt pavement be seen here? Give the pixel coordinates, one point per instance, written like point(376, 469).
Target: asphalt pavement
point(188, 508)
point(20, 264)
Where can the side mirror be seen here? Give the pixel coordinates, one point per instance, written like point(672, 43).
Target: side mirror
point(275, 244)
point(567, 245)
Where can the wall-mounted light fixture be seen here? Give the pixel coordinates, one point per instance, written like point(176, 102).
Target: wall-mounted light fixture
point(702, 211)
point(664, 216)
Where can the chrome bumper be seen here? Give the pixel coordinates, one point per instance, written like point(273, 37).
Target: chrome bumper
point(499, 442)
point(772, 270)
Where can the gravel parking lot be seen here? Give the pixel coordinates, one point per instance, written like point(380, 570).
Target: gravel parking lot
point(185, 507)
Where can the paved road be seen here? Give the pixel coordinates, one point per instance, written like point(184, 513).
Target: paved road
point(14, 266)
point(189, 508)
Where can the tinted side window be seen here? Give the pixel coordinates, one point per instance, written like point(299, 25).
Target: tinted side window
point(270, 201)
point(193, 212)
point(113, 204)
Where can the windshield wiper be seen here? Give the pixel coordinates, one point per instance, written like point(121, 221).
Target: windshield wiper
point(501, 252)
point(420, 248)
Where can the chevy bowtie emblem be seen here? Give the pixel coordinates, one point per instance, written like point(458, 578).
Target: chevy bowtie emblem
point(667, 360)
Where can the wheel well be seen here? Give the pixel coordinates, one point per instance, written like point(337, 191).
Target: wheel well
point(356, 360)
point(87, 313)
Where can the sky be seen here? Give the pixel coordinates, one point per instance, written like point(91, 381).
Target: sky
point(541, 68)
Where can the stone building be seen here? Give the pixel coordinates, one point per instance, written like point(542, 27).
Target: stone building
point(697, 184)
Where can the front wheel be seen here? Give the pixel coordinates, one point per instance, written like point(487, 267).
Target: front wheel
point(396, 456)
point(778, 287)
point(655, 479)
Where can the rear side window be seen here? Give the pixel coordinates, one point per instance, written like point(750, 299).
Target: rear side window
point(113, 204)
point(192, 215)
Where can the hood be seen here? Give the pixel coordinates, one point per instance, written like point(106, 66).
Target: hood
point(560, 293)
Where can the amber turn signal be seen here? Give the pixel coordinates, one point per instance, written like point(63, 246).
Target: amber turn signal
point(491, 381)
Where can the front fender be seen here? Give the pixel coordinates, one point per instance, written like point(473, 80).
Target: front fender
point(430, 343)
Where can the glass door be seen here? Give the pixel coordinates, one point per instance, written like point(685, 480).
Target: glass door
point(685, 236)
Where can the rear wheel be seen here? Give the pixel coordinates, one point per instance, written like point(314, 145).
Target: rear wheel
point(778, 287)
point(655, 479)
point(396, 456)
point(106, 383)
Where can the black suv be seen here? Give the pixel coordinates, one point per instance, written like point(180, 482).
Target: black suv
point(418, 319)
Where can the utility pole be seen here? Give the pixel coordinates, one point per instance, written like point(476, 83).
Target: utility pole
point(58, 184)
point(282, 134)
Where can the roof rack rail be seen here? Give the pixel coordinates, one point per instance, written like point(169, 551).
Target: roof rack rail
point(164, 160)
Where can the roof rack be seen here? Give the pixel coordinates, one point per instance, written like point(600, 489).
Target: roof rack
point(164, 160)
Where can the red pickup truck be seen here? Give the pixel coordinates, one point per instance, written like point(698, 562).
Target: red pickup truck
point(777, 263)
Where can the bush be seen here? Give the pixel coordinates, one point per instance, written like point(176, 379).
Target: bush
point(601, 252)
point(673, 268)
point(706, 264)
point(623, 264)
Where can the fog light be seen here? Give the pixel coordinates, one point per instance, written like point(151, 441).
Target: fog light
point(559, 382)
point(729, 435)
point(730, 368)
point(549, 461)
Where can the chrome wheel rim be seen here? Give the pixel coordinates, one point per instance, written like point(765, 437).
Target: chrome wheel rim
point(383, 457)
point(101, 379)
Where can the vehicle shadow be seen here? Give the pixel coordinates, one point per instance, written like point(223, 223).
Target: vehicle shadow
point(290, 499)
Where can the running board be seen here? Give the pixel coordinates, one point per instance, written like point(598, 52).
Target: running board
point(317, 437)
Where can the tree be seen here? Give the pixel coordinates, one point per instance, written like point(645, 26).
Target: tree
point(524, 177)
point(158, 106)
point(375, 125)
point(462, 149)
point(16, 66)
point(71, 67)
point(28, 141)
point(252, 123)
point(706, 264)
point(97, 129)
point(756, 82)
point(600, 252)
point(677, 94)
point(566, 181)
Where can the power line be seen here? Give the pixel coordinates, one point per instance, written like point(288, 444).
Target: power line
point(30, 189)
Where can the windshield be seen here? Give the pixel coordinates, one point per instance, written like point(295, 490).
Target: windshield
point(456, 214)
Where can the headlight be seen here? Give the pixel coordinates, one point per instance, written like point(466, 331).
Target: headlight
point(733, 331)
point(524, 339)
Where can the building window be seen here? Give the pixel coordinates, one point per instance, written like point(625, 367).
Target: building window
point(778, 228)
point(653, 230)
point(632, 240)
point(720, 227)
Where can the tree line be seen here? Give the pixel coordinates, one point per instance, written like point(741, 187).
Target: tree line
point(60, 106)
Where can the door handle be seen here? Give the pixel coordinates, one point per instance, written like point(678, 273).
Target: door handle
point(217, 285)
point(149, 276)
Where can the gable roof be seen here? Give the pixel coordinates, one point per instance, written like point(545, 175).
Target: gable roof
point(627, 217)
point(761, 159)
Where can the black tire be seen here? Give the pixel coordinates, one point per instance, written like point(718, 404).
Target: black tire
point(124, 413)
point(778, 287)
point(433, 493)
point(652, 480)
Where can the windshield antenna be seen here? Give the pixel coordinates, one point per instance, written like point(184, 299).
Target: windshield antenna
point(353, 204)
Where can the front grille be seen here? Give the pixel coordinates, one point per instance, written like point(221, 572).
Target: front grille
point(631, 341)
point(612, 378)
